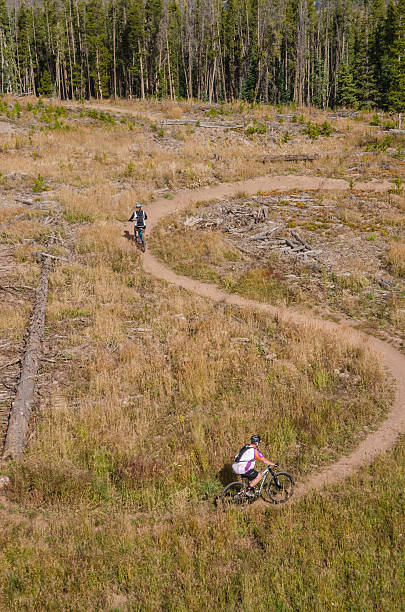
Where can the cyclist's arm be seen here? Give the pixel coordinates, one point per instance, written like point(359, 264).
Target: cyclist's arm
point(260, 457)
point(267, 462)
point(131, 218)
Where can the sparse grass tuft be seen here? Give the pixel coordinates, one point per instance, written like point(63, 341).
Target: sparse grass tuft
point(396, 258)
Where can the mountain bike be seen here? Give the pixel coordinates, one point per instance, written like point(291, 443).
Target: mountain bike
point(279, 488)
point(140, 238)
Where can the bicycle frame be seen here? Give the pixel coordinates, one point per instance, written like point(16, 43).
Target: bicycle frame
point(267, 471)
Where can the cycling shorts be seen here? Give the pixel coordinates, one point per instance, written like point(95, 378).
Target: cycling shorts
point(250, 474)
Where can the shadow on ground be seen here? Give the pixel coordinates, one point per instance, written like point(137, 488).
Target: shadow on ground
point(129, 236)
point(227, 475)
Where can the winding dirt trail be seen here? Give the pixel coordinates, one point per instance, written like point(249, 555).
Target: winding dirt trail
point(394, 424)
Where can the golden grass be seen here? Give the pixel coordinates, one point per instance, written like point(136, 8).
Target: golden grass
point(9, 212)
point(25, 230)
point(83, 157)
point(199, 250)
point(163, 378)
point(396, 258)
point(13, 321)
point(342, 549)
point(157, 389)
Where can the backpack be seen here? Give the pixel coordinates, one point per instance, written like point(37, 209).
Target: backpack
point(140, 217)
point(242, 451)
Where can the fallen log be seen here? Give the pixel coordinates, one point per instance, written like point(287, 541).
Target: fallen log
point(288, 157)
point(22, 406)
point(197, 123)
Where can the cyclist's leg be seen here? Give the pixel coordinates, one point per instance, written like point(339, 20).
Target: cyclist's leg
point(254, 477)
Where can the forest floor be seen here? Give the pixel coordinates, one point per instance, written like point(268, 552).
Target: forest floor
point(146, 390)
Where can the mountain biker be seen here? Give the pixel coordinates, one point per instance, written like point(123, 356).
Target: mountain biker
point(139, 216)
point(245, 463)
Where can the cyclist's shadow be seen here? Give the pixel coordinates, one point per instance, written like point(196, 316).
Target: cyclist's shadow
point(132, 238)
point(129, 236)
point(226, 475)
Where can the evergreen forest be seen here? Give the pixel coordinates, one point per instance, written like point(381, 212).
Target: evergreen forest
point(327, 54)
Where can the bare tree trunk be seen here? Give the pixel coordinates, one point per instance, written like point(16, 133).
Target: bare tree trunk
point(2, 62)
point(300, 64)
point(114, 54)
point(22, 405)
point(212, 80)
point(80, 50)
point(190, 68)
point(100, 91)
point(168, 66)
point(141, 66)
point(70, 57)
point(58, 75)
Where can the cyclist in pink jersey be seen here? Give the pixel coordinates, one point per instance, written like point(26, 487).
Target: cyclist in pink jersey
point(245, 462)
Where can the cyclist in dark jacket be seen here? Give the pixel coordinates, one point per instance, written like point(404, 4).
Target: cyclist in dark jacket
point(139, 216)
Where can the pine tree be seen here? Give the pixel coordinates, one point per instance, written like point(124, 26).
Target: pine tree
point(363, 72)
point(46, 86)
point(347, 90)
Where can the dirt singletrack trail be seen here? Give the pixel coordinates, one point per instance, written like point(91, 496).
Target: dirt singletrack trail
point(394, 424)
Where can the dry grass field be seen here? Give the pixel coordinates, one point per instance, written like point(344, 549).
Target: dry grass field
point(146, 392)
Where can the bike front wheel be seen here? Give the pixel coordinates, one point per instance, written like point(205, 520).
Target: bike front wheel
point(280, 487)
point(234, 496)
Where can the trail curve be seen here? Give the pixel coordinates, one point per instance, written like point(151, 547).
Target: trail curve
point(393, 425)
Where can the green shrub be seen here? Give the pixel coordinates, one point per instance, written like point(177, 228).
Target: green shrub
point(326, 129)
point(256, 128)
point(93, 114)
point(379, 145)
point(312, 130)
point(39, 184)
point(129, 170)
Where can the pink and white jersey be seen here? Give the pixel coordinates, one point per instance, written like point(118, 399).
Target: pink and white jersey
point(247, 461)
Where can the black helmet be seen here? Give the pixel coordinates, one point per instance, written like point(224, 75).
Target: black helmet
point(255, 439)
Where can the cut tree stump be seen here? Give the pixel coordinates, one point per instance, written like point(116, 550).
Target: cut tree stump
point(22, 406)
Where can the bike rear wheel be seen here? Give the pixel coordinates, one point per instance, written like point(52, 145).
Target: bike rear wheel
point(234, 496)
point(280, 487)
